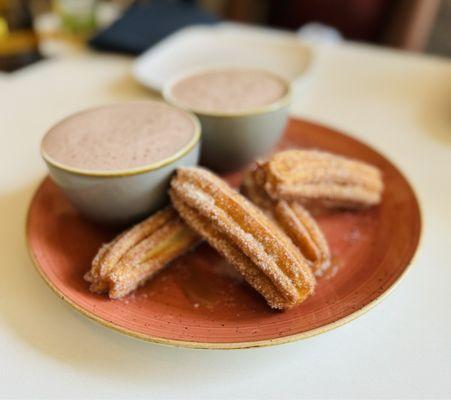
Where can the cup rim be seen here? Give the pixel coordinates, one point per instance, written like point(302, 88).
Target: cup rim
point(279, 103)
point(129, 171)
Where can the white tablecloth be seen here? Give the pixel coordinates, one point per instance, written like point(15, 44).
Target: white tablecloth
point(399, 103)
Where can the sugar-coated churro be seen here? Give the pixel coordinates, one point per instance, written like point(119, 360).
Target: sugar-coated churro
point(294, 220)
point(137, 254)
point(262, 253)
point(305, 233)
point(317, 176)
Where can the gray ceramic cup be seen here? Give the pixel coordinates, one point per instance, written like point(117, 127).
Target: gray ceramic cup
point(122, 197)
point(232, 140)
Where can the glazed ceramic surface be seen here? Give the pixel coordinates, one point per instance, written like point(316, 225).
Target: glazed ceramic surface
point(123, 196)
point(231, 140)
point(200, 301)
point(120, 199)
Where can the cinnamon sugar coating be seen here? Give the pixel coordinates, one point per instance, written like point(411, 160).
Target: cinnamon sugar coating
point(138, 253)
point(293, 219)
point(260, 251)
point(317, 176)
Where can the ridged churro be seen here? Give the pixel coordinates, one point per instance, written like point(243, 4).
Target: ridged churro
point(294, 220)
point(305, 233)
point(317, 176)
point(238, 230)
point(137, 254)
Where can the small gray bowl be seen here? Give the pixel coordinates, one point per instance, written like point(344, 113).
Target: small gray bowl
point(124, 196)
point(231, 140)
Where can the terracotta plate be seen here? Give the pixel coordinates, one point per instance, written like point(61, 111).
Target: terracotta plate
point(200, 301)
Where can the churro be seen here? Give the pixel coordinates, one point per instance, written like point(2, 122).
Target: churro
point(238, 230)
point(293, 219)
point(317, 176)
point(137, 254)
point(305, 233)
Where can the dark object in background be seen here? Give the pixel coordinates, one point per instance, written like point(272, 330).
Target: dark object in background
point(355, 19)
point(18, 42)
point(145, 23)
point(404, 24)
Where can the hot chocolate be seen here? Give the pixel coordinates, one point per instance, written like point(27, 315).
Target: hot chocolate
point(118, 137)
point(229, 90)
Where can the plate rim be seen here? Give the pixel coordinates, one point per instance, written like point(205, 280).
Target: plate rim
point(248, 344)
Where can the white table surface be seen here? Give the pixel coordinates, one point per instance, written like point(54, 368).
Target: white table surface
point(399, 103)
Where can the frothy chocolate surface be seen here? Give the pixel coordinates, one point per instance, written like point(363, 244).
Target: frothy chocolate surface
point(228, 90)
point(119, 137)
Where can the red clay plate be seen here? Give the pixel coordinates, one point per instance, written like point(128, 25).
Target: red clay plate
point(200, 301)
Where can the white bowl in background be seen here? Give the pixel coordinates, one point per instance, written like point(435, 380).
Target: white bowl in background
point(219, 45)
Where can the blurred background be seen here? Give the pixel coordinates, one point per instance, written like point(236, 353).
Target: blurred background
point(31, 30)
